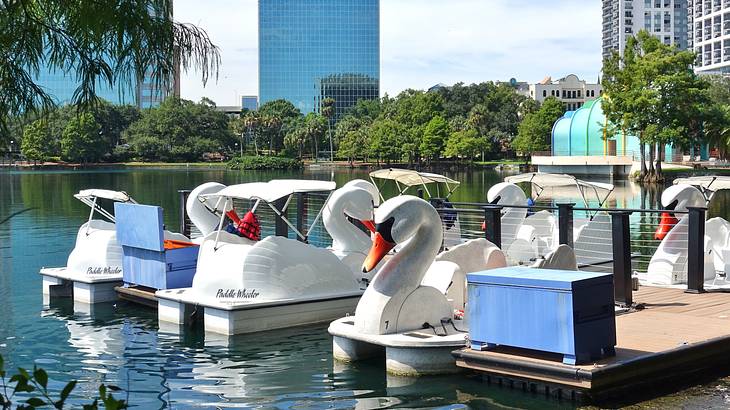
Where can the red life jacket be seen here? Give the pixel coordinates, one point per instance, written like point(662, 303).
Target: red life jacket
point(249, 227)
point(666, 223)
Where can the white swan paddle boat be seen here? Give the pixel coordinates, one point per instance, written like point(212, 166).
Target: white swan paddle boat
point(94, 266)
point(527, 238)
point(247, 286)
point(407, 311)
point(717, 229)
point(668, 264)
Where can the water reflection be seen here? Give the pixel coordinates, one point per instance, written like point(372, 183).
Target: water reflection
point(120, 343)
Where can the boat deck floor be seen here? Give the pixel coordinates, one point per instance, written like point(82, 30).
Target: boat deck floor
point(675, 333)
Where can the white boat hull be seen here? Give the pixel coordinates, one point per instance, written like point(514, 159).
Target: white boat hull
point(175, 306)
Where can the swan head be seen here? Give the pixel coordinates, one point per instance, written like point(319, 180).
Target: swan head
point(397, 221)
point(361, 208)
point(676, 198)
point(506, 193)
point(680, 197)
point(368, 186)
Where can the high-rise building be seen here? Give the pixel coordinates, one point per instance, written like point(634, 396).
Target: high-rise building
point(310, 50)
point(665, 19)
point(144, 94)
point(709, 33)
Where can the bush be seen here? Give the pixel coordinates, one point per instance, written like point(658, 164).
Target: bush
point(264, 162)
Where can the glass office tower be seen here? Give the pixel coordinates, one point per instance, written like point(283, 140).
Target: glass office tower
point(61, 87)
point(144, 94)
point(310, 50)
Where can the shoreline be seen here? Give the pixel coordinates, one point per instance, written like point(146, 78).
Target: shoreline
point(224, 165)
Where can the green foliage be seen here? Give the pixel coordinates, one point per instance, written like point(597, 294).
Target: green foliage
point(654, 93)
point(434, 136)
point(535, 129)
point(36, 143)
point(30, 391)
point(264, 162)
point(81, 140)
point(385, 144)
point(179, 130)
point(277, 118)
point(99, 42)
point(464, 144)
point(715, 125)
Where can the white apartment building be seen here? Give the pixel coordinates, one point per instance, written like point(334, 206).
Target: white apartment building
point(710, 35)
point(571, 90)
point(666, 19)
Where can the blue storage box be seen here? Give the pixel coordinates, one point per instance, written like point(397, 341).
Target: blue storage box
point(146, 260)
point(566, 312)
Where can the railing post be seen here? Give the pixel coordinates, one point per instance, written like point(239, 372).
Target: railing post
point(493, 222)
point(280, 227)
point(565, 224)
point(184, 226)
point(301, 214)
point(622, 286)
point(438, 204)
point(696, 250)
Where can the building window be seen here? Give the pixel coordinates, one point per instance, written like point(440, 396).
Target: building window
point(544, 93)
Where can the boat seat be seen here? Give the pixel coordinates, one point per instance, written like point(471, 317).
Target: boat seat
point(543, 224)
point(563, 258)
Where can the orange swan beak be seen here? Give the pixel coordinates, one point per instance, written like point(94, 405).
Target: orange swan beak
point(666, 223)
point(369, 224)
point(380, 248)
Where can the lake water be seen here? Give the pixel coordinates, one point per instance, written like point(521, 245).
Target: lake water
point(120, 344)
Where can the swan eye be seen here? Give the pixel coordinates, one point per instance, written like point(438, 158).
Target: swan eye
point(672, 205)
point(496, 200)
point(385, 229)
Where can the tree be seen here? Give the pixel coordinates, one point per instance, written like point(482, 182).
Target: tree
point(535, 129)
point(82, 140)
point(434, 137)
point(715, 124)
point(328, 111)
point(277, 118)
point(35, 145)
point(653, 93)
point(100, 42)
point(464, 144)
point(179, 130)
point(384, 144)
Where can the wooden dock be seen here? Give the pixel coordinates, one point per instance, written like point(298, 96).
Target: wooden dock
point(137, 294)
point(676, 334)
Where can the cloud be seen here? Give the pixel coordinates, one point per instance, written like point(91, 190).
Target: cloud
point(424, 42)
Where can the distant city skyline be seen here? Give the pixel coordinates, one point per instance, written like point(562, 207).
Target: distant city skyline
point(423, 42)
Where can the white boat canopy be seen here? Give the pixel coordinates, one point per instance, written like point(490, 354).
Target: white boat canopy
point(409, 178)
point(89, 198)
point(273, 190)
point(707, 184)
point(270, 192)
point(544, 180)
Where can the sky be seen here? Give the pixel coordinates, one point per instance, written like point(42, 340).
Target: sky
point(422, 43)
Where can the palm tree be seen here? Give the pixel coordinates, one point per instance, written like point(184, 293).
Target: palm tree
point(251, 121)
point(328, 111)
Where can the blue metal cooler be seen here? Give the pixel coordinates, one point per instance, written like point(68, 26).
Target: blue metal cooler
point(146, 261)
point(566, 312)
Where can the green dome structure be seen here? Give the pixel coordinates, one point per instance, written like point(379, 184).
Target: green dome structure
point(582, 133)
